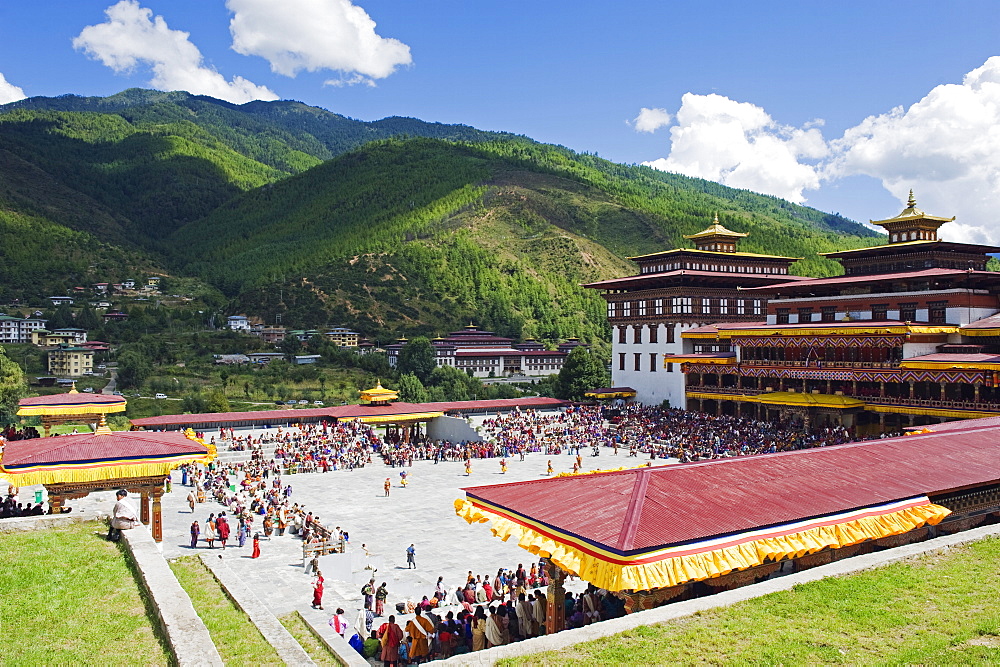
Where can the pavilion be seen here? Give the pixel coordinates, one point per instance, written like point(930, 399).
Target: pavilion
point(73, 466)
point(70, 408)
point(654, 534)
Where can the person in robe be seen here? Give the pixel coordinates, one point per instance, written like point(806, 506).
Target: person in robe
point(420, 630)
point(222, 528)
point(380, 596)
point(538, 611)
point(123, 516)
point(479, 630)
point(392, 637)
point(317, 602)
point(525, 617)
point(494, 629)
point(195, 531)
point(256, 546)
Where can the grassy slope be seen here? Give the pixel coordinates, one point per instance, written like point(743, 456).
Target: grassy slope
point(936, 609)
point(420, 236)
point(51, 611)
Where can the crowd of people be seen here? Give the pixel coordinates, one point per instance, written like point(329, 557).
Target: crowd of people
point(484, 612)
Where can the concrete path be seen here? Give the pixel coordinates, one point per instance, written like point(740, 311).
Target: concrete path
point(422, 514)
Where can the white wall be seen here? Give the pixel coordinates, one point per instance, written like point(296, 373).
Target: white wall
point(454, 429)
point(652, 388)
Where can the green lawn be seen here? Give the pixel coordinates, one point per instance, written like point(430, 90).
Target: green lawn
point(237, 638)
point(316, 649)
point(938, 609)
point(67, 596)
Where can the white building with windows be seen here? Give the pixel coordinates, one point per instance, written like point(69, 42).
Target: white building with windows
point(680, 290)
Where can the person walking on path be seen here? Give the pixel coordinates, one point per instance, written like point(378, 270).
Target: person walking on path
point(392, 637)
point(380, 596)
point(256, 546)
point(210, 531)
point(368, 590)
point(411, 557)
point(468, 467)
point(317, 602)
point(549, 471)
point(387, 486)
point(195, 531)
point(222, 527)
point(191, 501)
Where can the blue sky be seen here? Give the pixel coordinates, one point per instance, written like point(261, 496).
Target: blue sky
point(790, 98)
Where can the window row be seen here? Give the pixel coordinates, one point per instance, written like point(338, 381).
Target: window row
point(686, 305)
point(704, 266)
point(651, 337)
point(637, 364)
point(937, 313)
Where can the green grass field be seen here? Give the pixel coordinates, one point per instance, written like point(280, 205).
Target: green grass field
point(238, 640)
point(938, 609)
point(68, 597)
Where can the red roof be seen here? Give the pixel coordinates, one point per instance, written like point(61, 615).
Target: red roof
point(638, 509)
point(347, 411)
point(119, 445)
point(991, 322)
point(964, 358)
point(71, 399)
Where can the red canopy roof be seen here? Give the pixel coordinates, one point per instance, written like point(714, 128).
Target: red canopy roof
point(640, 509)
point(88, 447)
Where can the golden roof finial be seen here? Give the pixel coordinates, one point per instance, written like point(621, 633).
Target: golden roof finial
point(72, 388)
point(911, 202)
point(715, 220)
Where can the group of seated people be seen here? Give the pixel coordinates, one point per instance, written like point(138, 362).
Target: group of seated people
point(10, 508)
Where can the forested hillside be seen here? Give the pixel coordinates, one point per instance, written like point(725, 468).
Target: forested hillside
point(395, 226)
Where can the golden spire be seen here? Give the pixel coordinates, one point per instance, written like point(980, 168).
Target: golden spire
point(911, 202)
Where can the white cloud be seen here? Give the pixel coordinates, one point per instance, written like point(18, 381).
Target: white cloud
point(738, 144)
point(313, 35)
point(131, 36)
point(9, 92)
point(650, 120)
point(946, 147)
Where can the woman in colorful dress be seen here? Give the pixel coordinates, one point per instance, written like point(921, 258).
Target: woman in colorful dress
point(256, 546)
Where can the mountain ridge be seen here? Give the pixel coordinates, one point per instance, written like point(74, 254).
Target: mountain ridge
point(368, 224)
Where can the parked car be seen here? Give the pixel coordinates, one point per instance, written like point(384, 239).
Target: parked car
point(317, 402)
point(117, 393)
point(88, 390)
point(279, 402)
point(303, 402)
point(160, 396)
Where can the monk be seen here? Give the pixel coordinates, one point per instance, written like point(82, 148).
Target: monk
point(317, 602)
point(420, 630)
point(391, 637)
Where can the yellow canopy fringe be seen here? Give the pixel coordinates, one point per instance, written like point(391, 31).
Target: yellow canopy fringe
point(70, 410)
point(697, 567)
point(67, 473)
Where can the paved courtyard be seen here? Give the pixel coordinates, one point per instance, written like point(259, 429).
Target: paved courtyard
point(422, 514)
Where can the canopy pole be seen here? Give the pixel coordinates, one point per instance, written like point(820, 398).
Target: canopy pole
point(555, 614)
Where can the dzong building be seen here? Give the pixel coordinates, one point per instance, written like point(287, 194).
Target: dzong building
point(909, 335)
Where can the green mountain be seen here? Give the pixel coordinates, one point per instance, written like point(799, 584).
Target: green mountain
point(396, 226)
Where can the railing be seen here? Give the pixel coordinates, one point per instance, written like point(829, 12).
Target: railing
point(820, 364)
